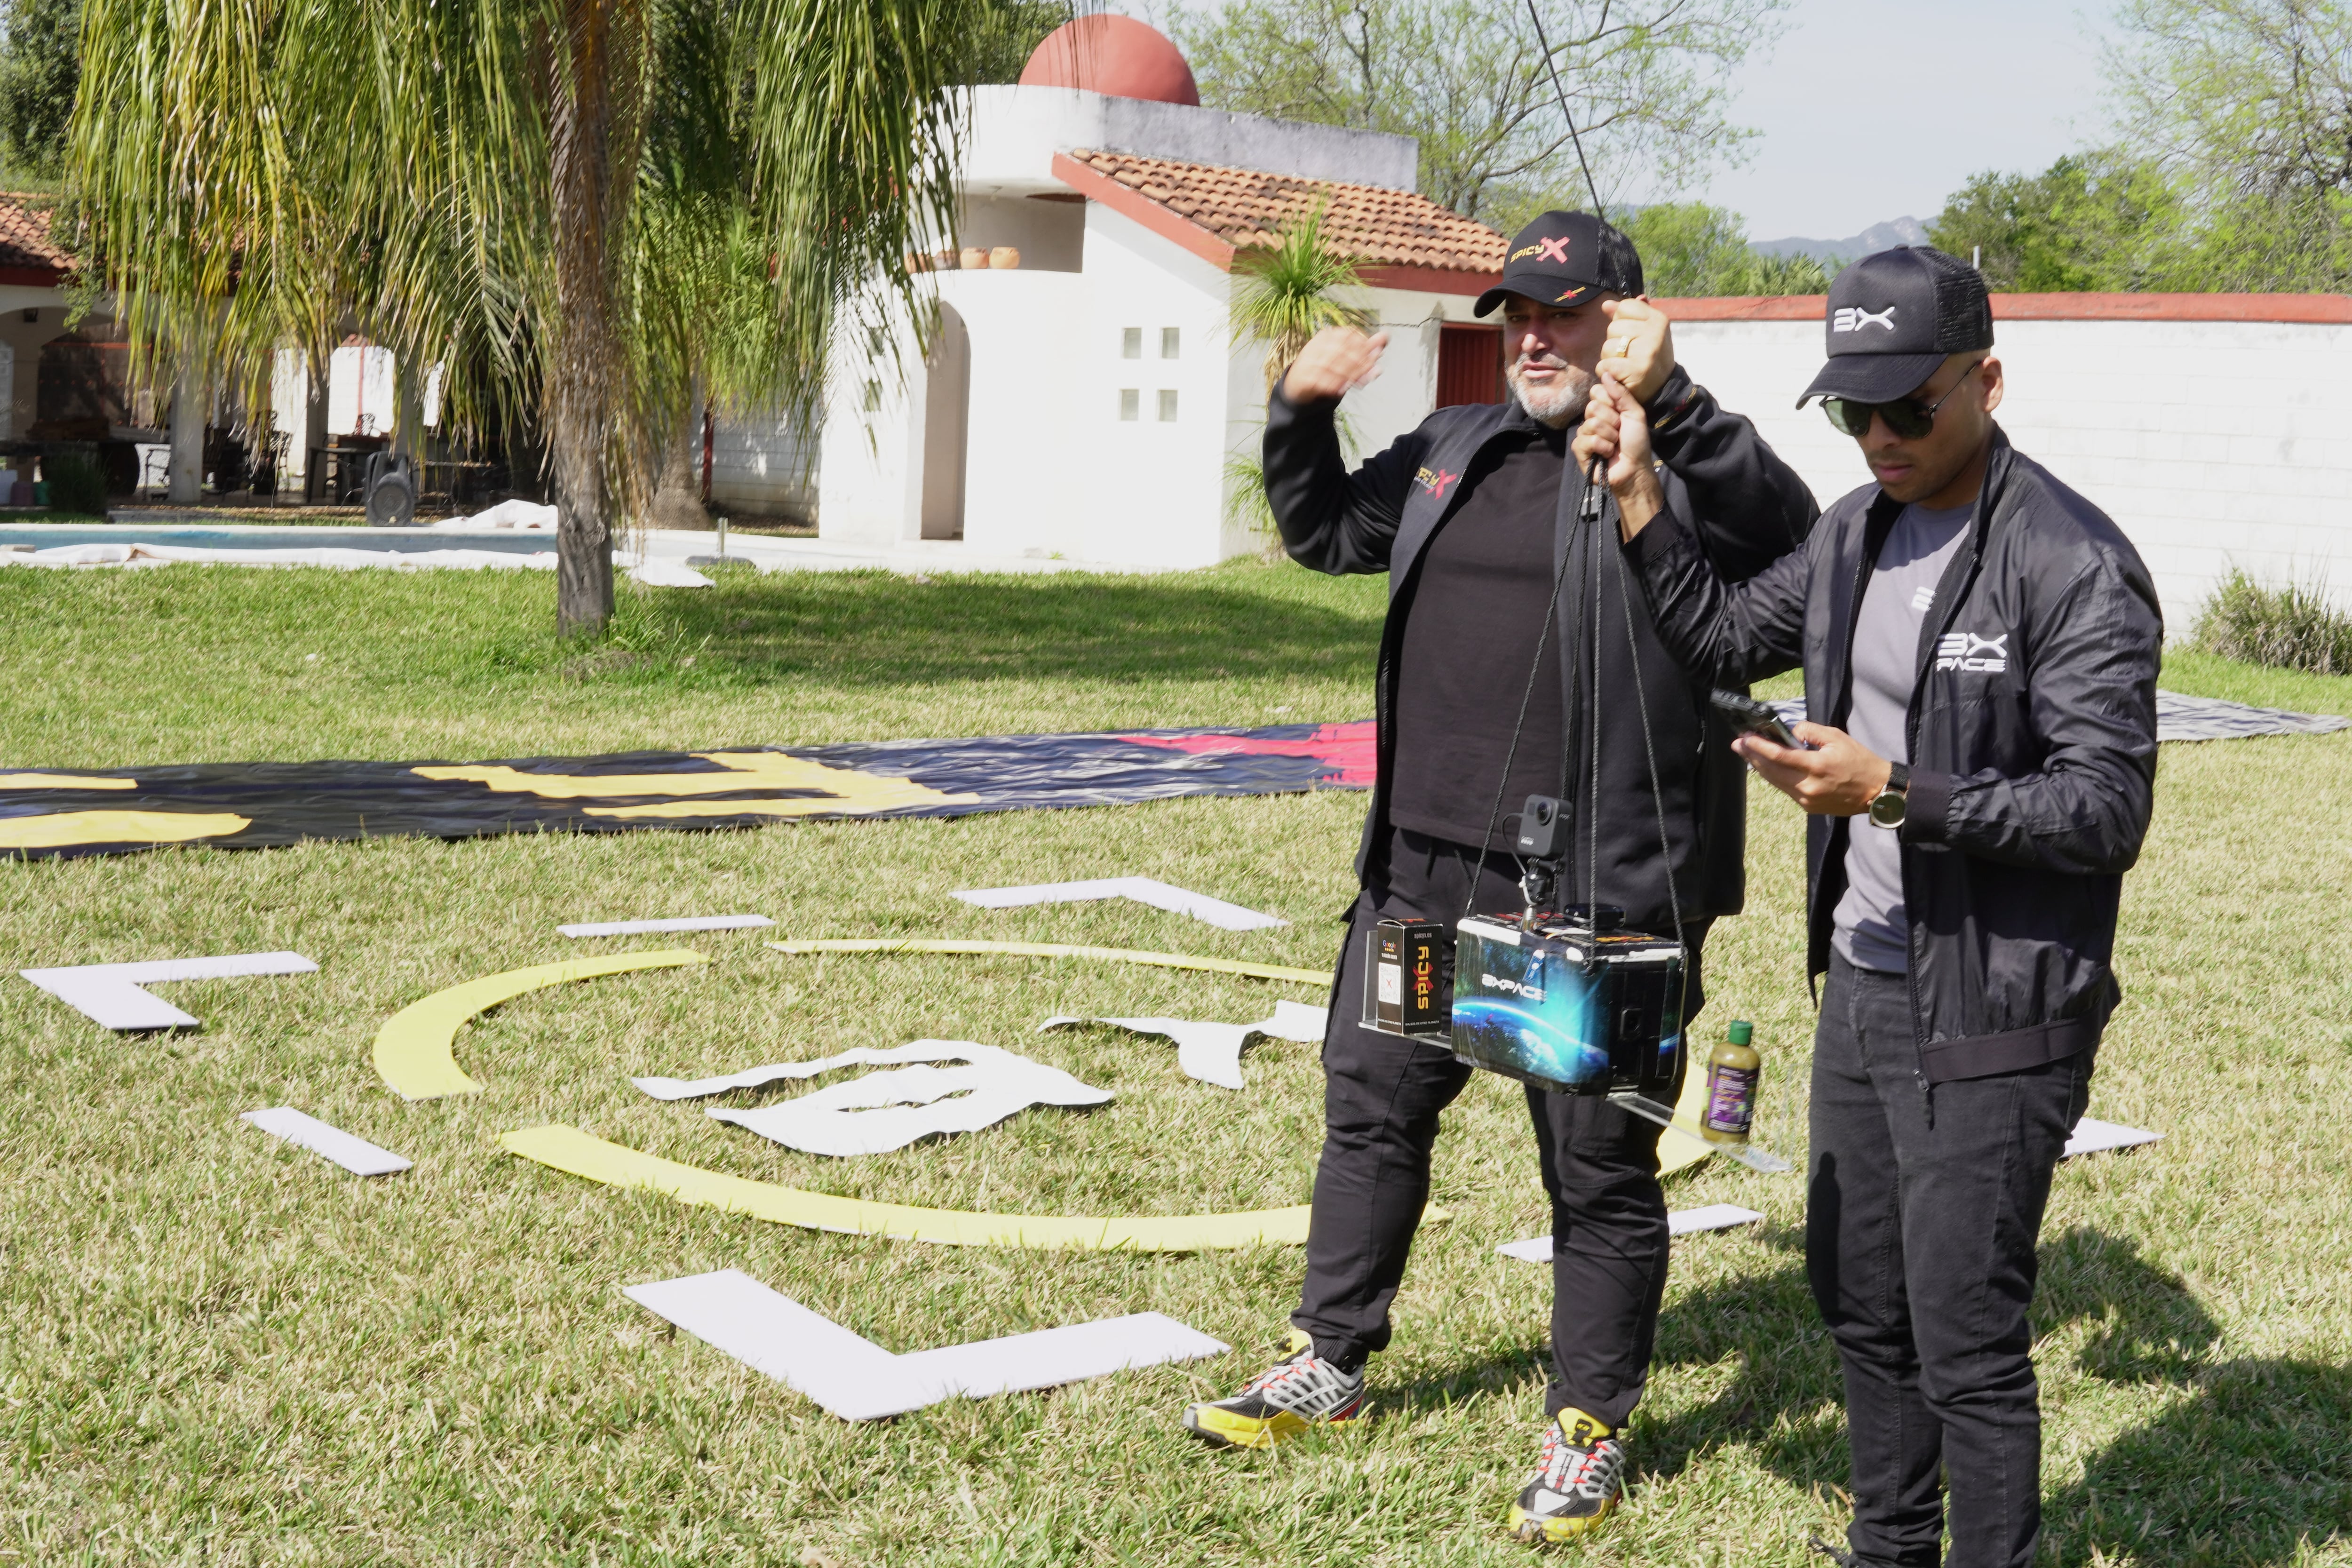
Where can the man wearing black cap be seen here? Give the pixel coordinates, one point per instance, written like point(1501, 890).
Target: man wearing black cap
point(1980, 646)
point(1469, 515)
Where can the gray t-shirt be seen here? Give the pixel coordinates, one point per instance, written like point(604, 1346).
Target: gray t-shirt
point(1873, 930)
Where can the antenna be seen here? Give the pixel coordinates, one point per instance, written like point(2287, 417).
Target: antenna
point(1560, 93)
point(1589, 508)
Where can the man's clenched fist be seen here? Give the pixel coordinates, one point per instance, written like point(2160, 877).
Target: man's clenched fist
point(1640, 347)
point(1335, 362)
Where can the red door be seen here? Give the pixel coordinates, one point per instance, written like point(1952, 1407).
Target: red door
point(1469, 365)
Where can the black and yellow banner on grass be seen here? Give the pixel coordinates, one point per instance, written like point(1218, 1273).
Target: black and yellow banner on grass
point(46, 814)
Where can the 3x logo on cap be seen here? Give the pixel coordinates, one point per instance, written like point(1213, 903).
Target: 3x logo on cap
point(1853, 318)
point(1894, 317)
point(1566, 259)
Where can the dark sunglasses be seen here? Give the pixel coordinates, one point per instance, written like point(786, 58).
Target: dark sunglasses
point(1907, 417)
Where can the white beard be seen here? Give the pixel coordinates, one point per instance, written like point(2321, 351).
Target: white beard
point(1557, 405)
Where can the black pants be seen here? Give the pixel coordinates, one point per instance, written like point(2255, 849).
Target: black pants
point(1920, 1225)
point(1381, 1100)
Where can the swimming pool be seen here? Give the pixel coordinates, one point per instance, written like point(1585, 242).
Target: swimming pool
point(259, 536)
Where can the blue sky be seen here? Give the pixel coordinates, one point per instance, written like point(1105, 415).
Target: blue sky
point(1873, 109)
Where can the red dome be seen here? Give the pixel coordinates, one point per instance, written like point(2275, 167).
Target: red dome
point(1118, 56)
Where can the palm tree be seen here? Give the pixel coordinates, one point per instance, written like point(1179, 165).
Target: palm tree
point(1283, 296)
point(498, 186)
point(1286, 295)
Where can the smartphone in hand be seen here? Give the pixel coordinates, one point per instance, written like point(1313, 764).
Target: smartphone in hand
point(1750, 717)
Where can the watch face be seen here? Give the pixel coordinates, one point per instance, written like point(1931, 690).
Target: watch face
point(1886, 811)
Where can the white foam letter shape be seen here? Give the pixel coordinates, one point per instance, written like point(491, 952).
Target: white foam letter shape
point(886, 1110)
point(111, 994)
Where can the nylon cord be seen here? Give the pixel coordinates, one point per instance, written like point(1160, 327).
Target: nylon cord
point(1657, 791)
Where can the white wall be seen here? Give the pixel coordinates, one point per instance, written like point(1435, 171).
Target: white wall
point(869, 467)
point(1146, 492)
point(1051, 468)
point(2212, 444)
point(359, 383)
point(1017, 131)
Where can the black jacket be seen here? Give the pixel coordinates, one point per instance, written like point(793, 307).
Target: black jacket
point(1749, 508)
point(2032, 738)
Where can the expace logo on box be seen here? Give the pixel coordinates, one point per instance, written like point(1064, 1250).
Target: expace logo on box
point(1558, 1008)
point(1530, 1014)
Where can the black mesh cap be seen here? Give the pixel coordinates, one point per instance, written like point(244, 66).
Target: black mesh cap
point(1566, 259)
point(1894, 317)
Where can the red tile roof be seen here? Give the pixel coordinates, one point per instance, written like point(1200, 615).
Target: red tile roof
point(24, 236)
point(1245, 209)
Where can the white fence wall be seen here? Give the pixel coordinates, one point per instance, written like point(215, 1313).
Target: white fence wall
point(2212, 443)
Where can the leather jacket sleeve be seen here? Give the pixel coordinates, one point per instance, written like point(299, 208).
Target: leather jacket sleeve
point(1331, 520)
point(1746, 508)
point(1725, 634)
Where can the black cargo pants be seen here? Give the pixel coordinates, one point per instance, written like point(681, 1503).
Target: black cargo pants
point(1920, 1224)
point(1381, 1100)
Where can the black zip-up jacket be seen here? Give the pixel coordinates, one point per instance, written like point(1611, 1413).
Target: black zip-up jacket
point(2032, 740)
point(1748, 507)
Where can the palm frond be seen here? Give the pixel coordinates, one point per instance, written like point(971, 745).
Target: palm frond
point(1284, 296)
point(608, 208)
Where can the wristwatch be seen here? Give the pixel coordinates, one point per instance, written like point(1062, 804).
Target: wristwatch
point(1886, 806)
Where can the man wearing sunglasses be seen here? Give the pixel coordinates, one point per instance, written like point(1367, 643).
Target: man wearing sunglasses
point(1980, 646)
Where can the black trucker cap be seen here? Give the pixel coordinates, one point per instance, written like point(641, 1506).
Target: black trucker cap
point(1894, 317)
point(1565, 259)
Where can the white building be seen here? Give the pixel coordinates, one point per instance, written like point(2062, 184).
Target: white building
point(1085, 404)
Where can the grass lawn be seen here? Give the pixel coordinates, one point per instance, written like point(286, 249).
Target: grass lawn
point(220, 1349)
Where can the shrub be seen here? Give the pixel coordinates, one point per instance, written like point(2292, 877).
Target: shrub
point(76, 484)
point(2294, 627)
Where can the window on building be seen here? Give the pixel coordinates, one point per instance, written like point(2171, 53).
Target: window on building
point(1130, 345)
point(1171, 341)
point(1130, 404)
point(1168, 408)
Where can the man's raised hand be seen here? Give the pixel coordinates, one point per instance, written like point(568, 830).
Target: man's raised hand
point(1640, 346)
point(1335, 362)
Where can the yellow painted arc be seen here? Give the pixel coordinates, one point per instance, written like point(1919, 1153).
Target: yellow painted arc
point(584, 1154)
point(62, 829)
point(1057, 950)
point(63, 780)
point(414, 1048)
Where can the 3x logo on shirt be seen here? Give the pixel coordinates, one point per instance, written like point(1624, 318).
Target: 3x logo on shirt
point(1969, 652)
point(1435, 483)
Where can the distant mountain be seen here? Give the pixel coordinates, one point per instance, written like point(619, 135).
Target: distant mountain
point(1879, 236)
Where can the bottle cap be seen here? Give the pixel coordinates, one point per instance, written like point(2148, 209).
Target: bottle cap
point(1741, 1032)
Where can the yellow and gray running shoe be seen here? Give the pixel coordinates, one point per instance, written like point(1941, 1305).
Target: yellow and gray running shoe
point(1577, 1479)
point(1293, 1394)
